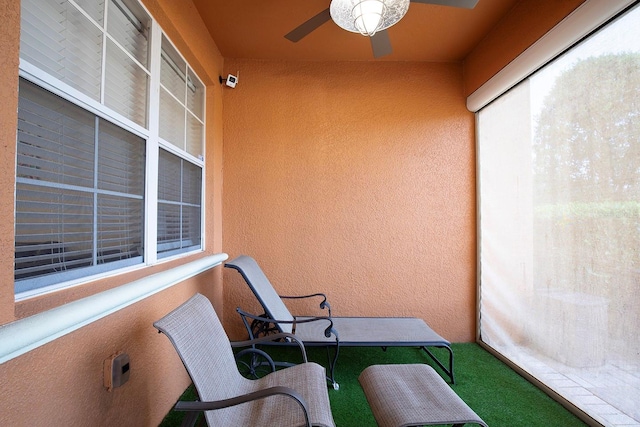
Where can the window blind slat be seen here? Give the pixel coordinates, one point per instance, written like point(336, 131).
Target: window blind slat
point(125, 86)
point(171, 120)
point(169, 181)
point(133, 38)
point(195, 96)
point(179, 205)
point(45, 130)
point(119, 228)
point(168, 224)
point(56, 225)
point(172, 71)
point(93, 8)
point(192, 184)
point(121, 158)
point(58, 38)
point(195, 136)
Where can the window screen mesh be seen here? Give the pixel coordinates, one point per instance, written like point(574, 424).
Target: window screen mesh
point(559, 188)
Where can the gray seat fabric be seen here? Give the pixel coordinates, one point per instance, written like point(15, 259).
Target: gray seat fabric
point(201, 342)
point(345, 331)
point(413, 395)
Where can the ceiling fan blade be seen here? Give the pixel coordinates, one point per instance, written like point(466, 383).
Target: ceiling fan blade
point(467, 4)
point(381, 44)
point(307, 27)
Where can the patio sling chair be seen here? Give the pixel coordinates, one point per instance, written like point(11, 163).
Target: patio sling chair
point(333, 332)
point(295, 396)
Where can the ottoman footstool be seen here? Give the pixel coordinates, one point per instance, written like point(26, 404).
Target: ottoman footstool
point(413, 395)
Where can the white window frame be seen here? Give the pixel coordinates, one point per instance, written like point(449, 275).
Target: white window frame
point(37, 76)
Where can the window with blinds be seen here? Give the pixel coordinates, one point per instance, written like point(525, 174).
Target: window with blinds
point(68, 40)
point(84, 180)
point(79, 192)
point(181, 103)
point(179, 205)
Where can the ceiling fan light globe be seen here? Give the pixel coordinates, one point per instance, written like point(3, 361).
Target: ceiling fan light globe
point(368, 16)
point(342, 13)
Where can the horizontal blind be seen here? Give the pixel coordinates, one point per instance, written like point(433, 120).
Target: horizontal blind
point(54, 231)
point(181, 103)
point(121, 160)
point(172, 123)
point(80, 176)
point(179, 205)
point(130, 30)
point(57, 38)
point(120, 232)
point(127, 70)
point(191, 205)
point(195, 135)
point(169, 210)
point(71, 213)
point(93, 8)
point(67, 43)
point(125, 85)
point(173, 71)
point(195, 96)
point(55, 140)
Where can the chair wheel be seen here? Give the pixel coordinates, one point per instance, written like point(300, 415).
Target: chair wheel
point(254, 363)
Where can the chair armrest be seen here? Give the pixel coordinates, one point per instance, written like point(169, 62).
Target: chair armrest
point(323, 304)
point(327, 332)
point(260, 394)
point(268, 338)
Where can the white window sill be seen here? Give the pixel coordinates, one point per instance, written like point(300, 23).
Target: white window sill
point(21, 336)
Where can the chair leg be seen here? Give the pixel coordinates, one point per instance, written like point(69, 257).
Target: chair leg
point(190, 419)
point(448, 371)
point(332, 366)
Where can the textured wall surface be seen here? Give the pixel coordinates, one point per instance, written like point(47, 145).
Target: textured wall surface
point(9, 47)
point(61, 383)
point(355, 179)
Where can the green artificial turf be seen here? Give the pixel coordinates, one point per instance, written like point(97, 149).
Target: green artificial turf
point(494, 391)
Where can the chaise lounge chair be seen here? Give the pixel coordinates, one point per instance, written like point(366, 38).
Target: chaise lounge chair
point(333, 332)
point(295, 396)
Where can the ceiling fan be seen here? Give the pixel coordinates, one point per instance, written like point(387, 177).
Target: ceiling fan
point(369, 17)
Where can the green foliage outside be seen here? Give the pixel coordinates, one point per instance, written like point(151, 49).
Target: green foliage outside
point(586, 188)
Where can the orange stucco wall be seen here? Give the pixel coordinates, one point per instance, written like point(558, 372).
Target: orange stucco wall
point(9, 46)
point(358, 179)
point(61, 383)
point(354, 179)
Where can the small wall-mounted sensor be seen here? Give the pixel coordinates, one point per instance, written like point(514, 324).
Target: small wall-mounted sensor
point(230, 81)
point(117, 369)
